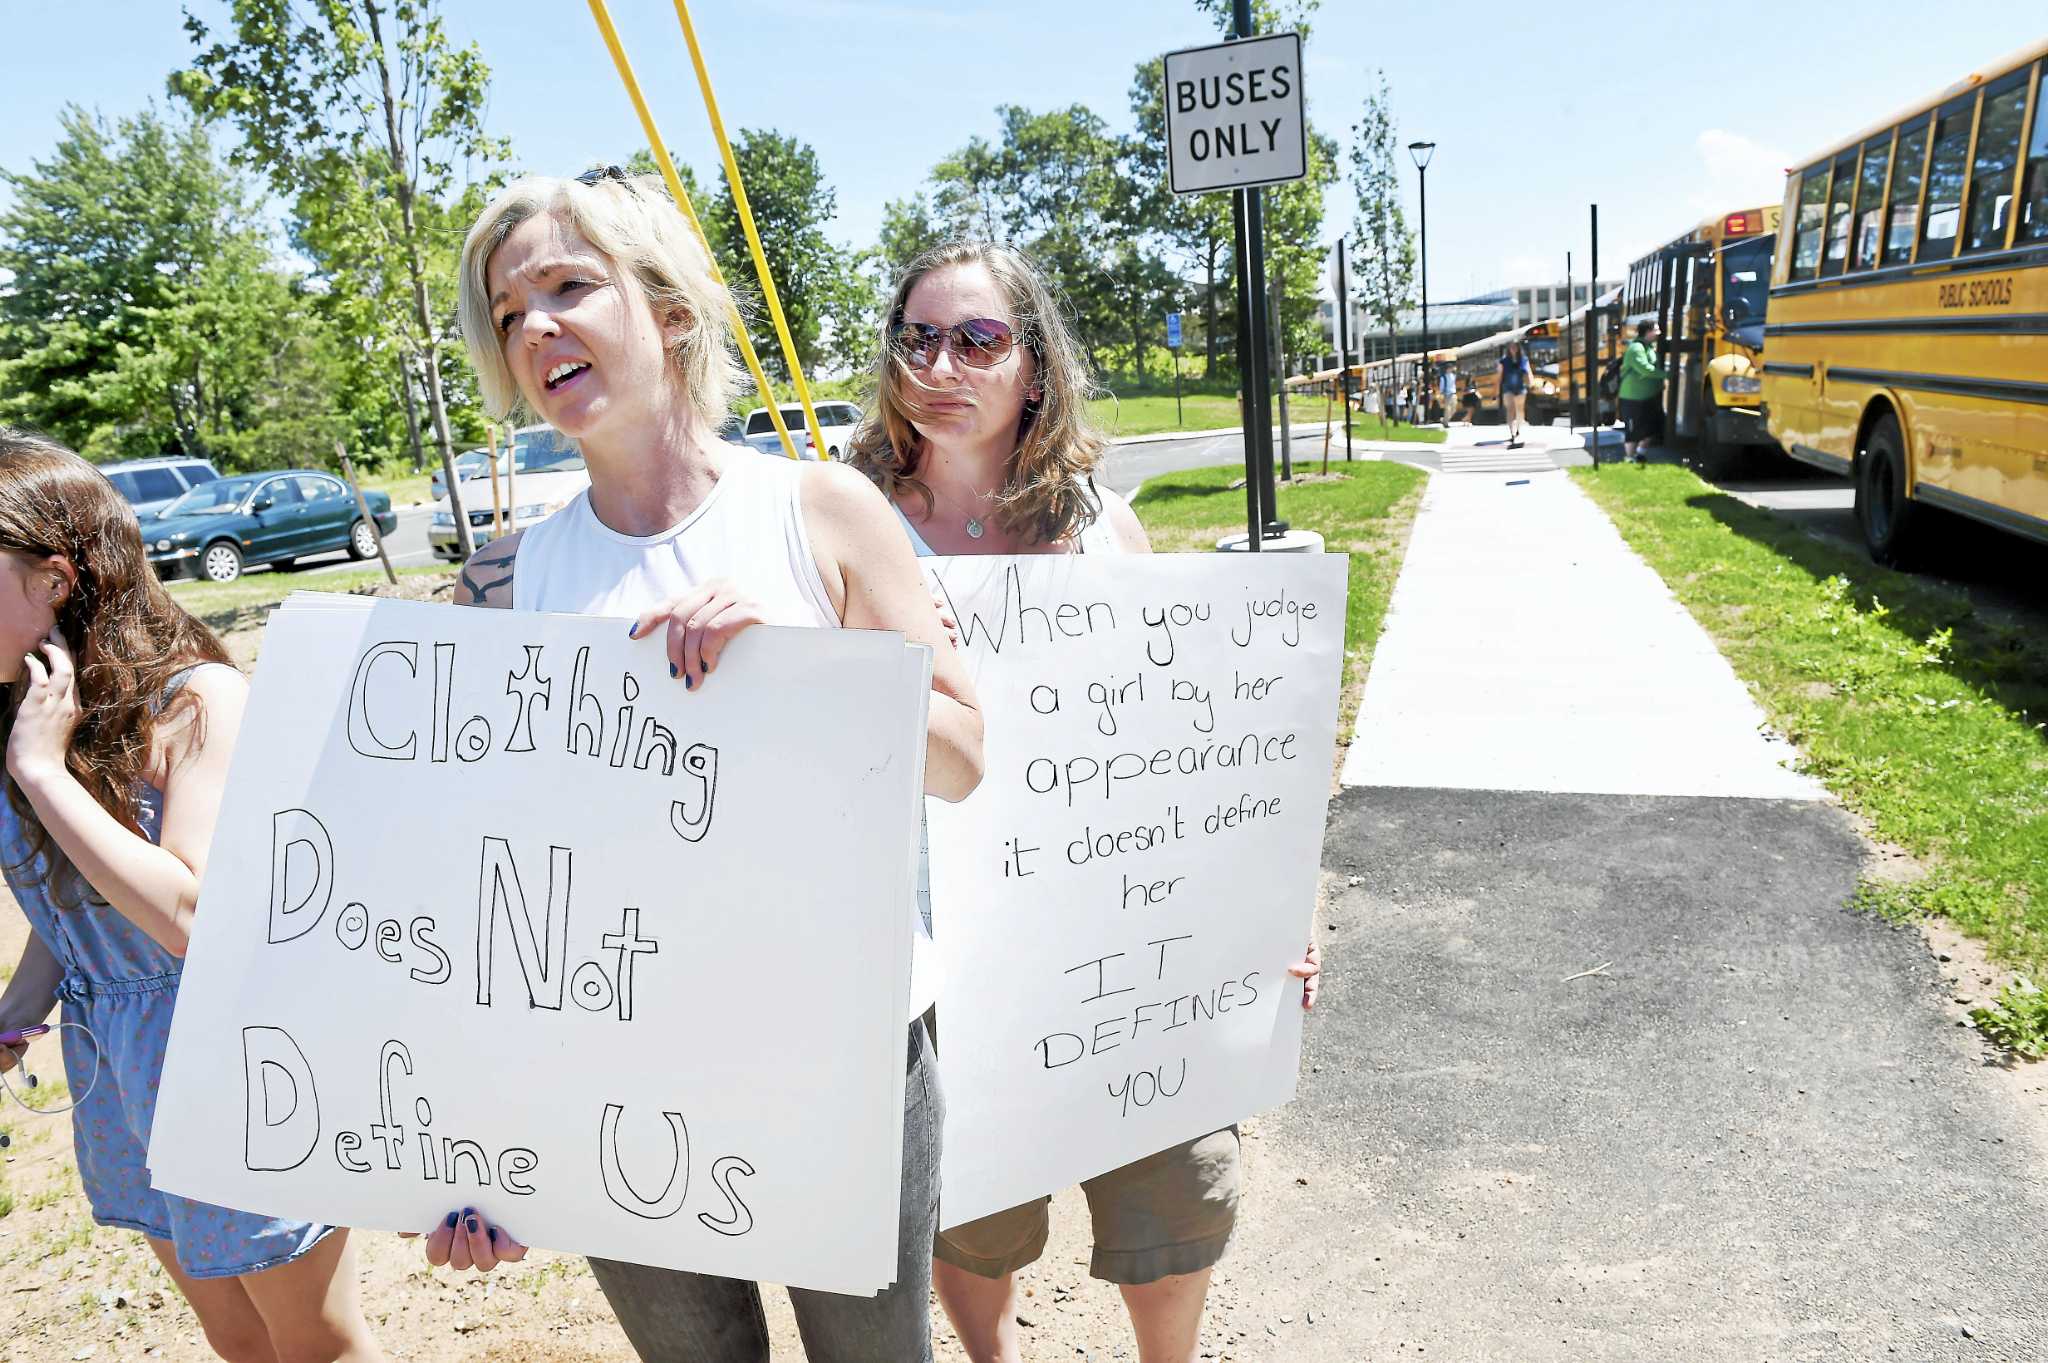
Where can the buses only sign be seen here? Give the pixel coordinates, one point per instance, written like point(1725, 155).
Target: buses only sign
point(1234, 116)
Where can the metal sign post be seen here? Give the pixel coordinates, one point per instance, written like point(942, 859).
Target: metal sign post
point(1173, 345)
point(1235, 121)
point(1343, 281)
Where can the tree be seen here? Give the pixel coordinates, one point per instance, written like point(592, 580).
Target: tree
point(908, 231)
point(1194, 226)
point(1385, 248)
point(147, 313)
point(361, 132)
point(1294, 211)
point(791, 203)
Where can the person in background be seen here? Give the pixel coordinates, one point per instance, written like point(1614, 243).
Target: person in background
point(1642, 393)
point(121, 723)
point(1514, 389)
point(979, 435)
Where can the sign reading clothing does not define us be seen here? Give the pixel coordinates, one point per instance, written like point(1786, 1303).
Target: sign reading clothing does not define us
point(1116, 906)
point(1234, 117)
point(497, 915)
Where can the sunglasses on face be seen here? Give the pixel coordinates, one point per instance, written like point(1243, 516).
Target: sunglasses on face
point(981, 342)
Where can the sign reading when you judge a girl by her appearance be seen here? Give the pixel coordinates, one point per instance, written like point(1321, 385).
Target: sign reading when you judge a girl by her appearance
point(498, 916)
point(1116, 907)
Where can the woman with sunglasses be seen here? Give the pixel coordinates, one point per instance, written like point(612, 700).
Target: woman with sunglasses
point(589, 304)
point(980, 437)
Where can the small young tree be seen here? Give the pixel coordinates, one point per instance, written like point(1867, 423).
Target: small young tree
point(358, 113)
point(1384, 260)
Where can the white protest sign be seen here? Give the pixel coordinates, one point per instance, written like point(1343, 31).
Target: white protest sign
point(1234, 117)
point(1116, 906)
point(498, 915)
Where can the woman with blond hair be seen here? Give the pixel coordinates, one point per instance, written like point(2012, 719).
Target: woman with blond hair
point(980, 436)
point(590, 304)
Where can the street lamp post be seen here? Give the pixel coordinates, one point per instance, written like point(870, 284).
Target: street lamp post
point(1420, 152)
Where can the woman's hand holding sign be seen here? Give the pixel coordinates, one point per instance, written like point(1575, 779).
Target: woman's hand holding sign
point(464, 1239)
point(701, 622)
point(1309, 969)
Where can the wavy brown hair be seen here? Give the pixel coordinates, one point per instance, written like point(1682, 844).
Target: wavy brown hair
point(1045, 497)
point(128, 637)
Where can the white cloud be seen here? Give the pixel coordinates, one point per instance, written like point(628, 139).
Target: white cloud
point(1738, 173)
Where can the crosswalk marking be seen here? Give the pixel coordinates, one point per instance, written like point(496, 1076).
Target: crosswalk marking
point(1496, 459)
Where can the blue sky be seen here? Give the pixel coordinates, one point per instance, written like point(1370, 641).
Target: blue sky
point(1663, 114)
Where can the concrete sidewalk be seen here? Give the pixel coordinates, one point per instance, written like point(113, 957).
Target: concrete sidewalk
point(1528, 648)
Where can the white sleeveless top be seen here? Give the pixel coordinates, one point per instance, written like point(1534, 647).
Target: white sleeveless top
point(750, 530)
point(1097, 538)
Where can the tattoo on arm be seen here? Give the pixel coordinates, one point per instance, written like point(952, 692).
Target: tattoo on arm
point(483, 578)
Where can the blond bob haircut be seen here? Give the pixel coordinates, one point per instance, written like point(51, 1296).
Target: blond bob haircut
point(1046, 496)
point(634, 223)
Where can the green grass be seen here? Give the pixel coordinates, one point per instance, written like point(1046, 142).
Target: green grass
point(1150, 413)
point(1364, 511)
point(404, 485)
point(248, 599)
point(1925, 718)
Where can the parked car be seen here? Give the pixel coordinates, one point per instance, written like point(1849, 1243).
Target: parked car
point(221, 527)
point(836, 421)
point(550, 475)
point(150, 485)
point(733, 430)
point(532, 444)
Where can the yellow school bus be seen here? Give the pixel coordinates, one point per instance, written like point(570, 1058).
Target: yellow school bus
point(1479, 372)
point(1908, 324)
point(1707, 290)
point(1592, 405)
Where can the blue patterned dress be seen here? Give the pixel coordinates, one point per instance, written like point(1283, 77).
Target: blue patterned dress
point(122, 985)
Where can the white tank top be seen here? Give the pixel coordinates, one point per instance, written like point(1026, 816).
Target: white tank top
point(750, 530)
point(1098, 538)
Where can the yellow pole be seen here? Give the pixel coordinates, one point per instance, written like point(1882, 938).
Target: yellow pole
point(676, 191)
point(739, 199)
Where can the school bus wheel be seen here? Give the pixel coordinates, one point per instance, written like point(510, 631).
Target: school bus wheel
point(1891, 523)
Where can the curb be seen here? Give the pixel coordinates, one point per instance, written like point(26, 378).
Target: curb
point(1155, 436)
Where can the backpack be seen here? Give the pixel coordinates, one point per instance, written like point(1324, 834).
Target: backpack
point(1610, 377)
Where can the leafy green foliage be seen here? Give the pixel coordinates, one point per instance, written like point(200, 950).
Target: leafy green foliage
point(146, 313)
point(2018, 1020)
point(1382, 247)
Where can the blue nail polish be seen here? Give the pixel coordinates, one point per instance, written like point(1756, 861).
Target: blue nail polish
point(471, 1224)
point(630, 629)
point(689, 683)
point(452, 1218)
point(469, 1211)
point(671, 669)
point(493, 1234)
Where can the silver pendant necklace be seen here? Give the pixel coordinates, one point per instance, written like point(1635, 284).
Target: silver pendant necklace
point(974, 527)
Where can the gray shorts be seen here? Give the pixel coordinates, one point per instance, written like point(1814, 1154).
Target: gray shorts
point(674, 1317)
point(1169, 1213)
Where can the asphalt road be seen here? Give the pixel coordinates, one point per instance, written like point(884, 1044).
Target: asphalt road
point(1753, 1135)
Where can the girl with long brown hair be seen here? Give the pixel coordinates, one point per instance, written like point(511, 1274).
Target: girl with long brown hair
point(118, 733)
point(979, 434)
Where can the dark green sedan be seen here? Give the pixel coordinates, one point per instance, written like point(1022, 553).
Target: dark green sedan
point(218, 528)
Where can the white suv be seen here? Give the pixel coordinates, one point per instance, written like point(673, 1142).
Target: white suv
point(836, 421)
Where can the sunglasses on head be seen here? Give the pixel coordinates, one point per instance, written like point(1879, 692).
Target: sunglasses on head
point(597, 175)
point(980, 341)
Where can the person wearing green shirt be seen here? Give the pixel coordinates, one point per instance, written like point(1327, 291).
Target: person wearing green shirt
point(1642, 384)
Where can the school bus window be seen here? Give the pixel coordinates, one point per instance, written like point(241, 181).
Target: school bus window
point(1870, 201)
point(1998, 155)
point(2034, 201)
point(1945, 181)
point(1813, 200)
point(1838, 214)
point(1903, 221)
